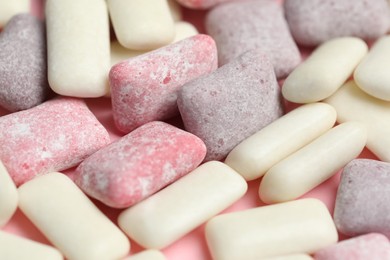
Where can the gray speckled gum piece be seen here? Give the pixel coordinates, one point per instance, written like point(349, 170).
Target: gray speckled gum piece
point(241, 26)
point(232, 103)
point(362, 202)
point(313, 22)
point(23, 69)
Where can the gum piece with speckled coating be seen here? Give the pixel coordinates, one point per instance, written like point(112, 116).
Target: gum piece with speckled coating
point(139, 164)
point(144, 88)
point(53, 136)
point(23, 77)
point(232, 103)
point(362, 204)
point(313, 22)
point(241, 26)
point(370, 246)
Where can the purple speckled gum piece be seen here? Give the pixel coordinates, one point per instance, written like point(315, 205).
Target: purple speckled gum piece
point(313, 22)
point(232, 103)
point(372, 246)
point(241, 26)
point(23, 68)
point(362, 202)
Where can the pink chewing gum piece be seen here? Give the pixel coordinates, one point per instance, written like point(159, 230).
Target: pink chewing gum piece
point(144, 88)
point(139, 164)
point(53, 136)
point(370, 246)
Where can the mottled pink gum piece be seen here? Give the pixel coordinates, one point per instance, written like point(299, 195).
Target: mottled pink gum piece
point(232, 103)
point(362, 201)
point(139, 164)
point(241, 26)
point(23, 66)
point(144, 88)
point(370, 246)
point(53, 136)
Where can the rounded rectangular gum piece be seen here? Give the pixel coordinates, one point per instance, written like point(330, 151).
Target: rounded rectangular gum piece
point(13, 247)
point(325, 70)
point(370, 246)
point(371, 75)
point(23, 74)
point(352, 104)
point(362, 198)
point(142, 24)
point(232, 103)
point(10, 8)
point(300, 226)
point(65, 215)
point(145, 88)
point(240, 26)
point(150, 254)
point(139, 164)
point(313, 22)
point(259, 152)
point(8, 197)
point(53, 136)
point(301, 171)
point(173, 212)
point(78, 47)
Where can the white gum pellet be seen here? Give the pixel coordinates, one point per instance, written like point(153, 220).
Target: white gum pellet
point(9, 8)
point(258, 153)
point(290, 257)
point(8, 196)
point(150, 254)
point(301, 226)
point(313, 164)
point(13, 247)
point(142, 24)
point(371, 75)
point(78, 47)
point(352, 104)
point(179, 208)
point(326, 69)
point(65, 215)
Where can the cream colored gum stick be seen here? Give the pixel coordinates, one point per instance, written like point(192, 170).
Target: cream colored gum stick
point(313, 164)
point(65, 215)
point(352, 104)
point(142, 24)
point(78, 47)
point(326, 69)
point(175, 9)
point(290, 257)
point(179, 208)
point(8, 196)
point(150, 254)
point(300, 226)
point(258, 153)
point(9, 8)
point(13, 247)
point(372, 74)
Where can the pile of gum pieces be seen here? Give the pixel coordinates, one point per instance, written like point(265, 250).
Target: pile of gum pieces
point(228, 91)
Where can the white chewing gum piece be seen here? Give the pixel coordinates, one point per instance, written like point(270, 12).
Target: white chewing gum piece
point(184, 205)
point(9, 8)
point(78, 47)
point(313, 164)
point(352, 104)
point(13, 247)
point(150, 254)
point(300, 226)
point(372, 74)
point(184, 30)
point(326, 69)
point(69, 219)
point(142, 24)
point(258, 153)
point(290, 257)
point(8, 196)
